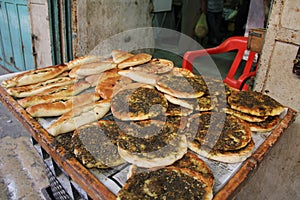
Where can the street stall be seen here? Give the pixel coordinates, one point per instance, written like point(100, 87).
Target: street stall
point(75, 175)
point(87, 96)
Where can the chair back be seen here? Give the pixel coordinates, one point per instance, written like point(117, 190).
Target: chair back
point(236, 43)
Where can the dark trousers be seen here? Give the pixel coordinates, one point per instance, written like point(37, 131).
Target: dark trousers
point(214, 21)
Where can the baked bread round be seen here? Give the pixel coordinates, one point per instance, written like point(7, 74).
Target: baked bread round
point(95, 144)
point(138, 103)
point(181, 86)
point(254, 103)
point(151, 143)
point(166, 183)
point(217, 136)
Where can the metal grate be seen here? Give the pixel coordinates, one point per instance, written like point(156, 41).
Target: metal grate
point(61, 185)
point(58, 191)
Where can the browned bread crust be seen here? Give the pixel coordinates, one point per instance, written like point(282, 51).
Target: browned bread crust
point(35, 76)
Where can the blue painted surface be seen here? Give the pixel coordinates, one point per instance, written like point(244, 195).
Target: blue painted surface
point(16, 52)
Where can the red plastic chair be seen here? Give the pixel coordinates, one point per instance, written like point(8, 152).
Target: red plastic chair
point(238, 43)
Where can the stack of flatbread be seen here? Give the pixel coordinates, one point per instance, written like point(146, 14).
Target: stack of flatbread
point(260, 111)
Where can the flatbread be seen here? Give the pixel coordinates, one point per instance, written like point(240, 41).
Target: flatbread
point(61, 105)
point(265, 126)
point(92, 68)
point(203, 103)
point(152, 144)
point(79, 116)
point(255, 103)
point(189, 161)
point(245, 116)
point(137, 59)
point(110, 82)
point(34, 76)
point(177, 110)
point(140, 76)
point(95, 144)
point(218, 133)
point(83, 60)
point(227, 156)
point(119, 56)
point(192, 161)
point(181, 86)
point(166, 183)
point(138, 104)
point(156, 66)
point(34, 89)
point(54, 93)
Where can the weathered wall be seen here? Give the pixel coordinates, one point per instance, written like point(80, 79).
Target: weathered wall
point(97, 20)
point(40, 30)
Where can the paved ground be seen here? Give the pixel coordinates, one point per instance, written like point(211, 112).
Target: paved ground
point(22, 172)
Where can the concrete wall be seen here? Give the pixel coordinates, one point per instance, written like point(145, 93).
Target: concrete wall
point(99, 20)
point(40, 29)
point(278, 176)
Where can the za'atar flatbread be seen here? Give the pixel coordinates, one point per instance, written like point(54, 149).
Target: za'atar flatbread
point(219, 136)
point(138, 103)
point(95, 144)
point(166, 183)
point(181, 85)
point(255, 103)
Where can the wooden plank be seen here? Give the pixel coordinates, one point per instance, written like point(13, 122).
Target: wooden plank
point(5, 37)
point(26, 39)
point(1, 49)
point(16, 42)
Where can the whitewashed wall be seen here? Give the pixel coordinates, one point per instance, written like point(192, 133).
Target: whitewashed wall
point(40, 28)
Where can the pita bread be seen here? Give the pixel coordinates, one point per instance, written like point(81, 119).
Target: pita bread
point(226, 156)
point(245, 116)
point(265, 126)
point(92, 68)
point(119, 56)
point(156, 66)
point(140, 76)
point(192, 161)
point(110, 82)
point(137, 59)
point(83, 60)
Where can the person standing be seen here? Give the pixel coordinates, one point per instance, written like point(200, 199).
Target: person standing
point(214, 20)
